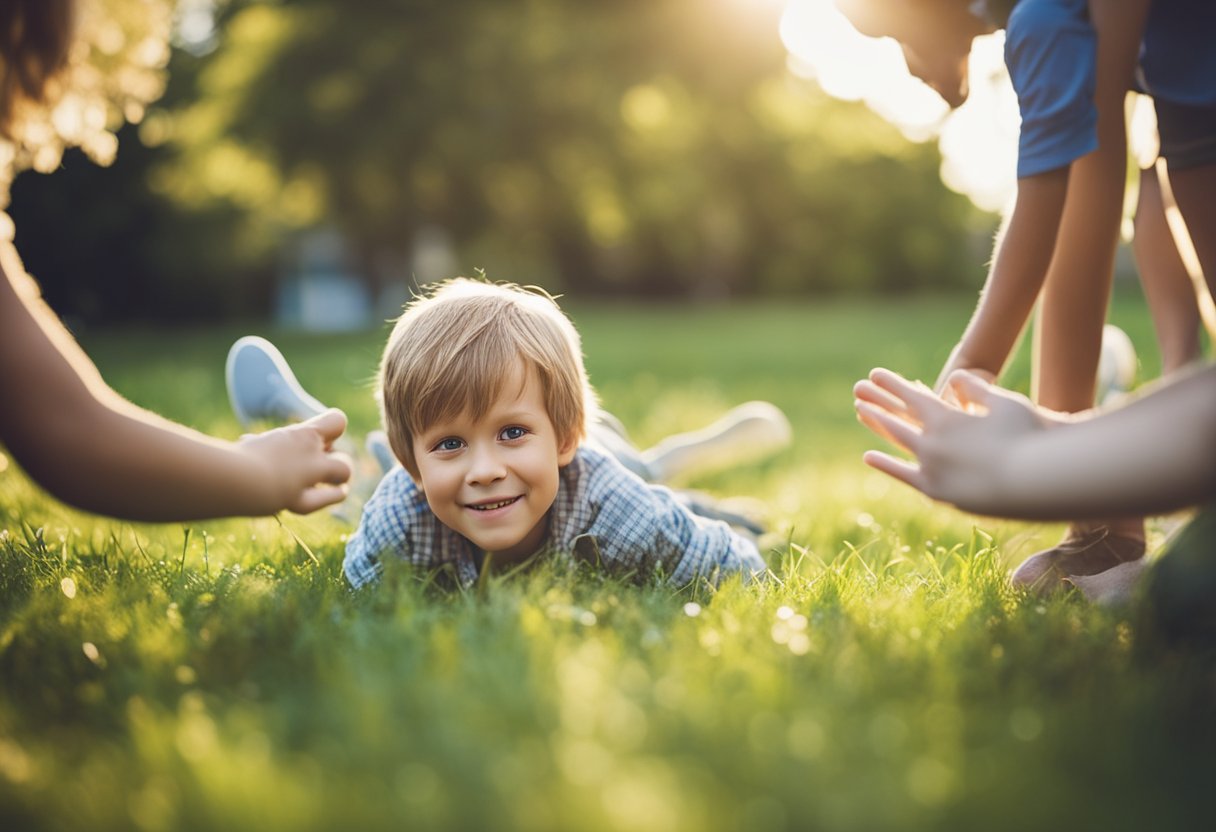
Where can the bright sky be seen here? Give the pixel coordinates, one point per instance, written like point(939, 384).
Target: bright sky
point(978, 141)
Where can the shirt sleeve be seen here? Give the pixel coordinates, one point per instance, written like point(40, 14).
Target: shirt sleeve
point(1051, 54)
point(643, 527)
point(383, 528)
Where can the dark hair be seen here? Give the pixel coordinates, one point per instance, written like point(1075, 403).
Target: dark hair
point(35, 39)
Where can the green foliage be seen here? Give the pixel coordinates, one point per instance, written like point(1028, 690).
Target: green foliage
point(655, 147)
point(885, 676)
point(114, 69)
point(128, 253)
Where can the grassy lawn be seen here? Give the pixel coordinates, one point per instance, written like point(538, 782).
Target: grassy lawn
point(221, 676)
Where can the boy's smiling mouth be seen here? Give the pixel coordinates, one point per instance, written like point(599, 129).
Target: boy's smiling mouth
point(491, 505)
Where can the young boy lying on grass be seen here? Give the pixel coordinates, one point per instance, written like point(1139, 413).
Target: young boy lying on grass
point(505, 454)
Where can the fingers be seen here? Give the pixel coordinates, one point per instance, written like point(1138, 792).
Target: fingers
point(917, 399)
point(867, 391)
point(329, 425)
point(328, 483)
point(318, 497)
point(971, 390)
point(900, 469)
point(336, 469)
point(865, 415)
point(882, 403)
point(897, 430)
point(322, 464)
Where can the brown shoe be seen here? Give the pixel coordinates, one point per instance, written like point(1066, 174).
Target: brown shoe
point(1117, 586)
point(1079, 554)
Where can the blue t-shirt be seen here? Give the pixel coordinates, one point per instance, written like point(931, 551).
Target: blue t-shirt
point(1051, 52)
point(1178, 56)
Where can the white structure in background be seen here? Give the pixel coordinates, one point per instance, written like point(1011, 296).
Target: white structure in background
point(432, 257)
point(978, 141)
point(319, 291)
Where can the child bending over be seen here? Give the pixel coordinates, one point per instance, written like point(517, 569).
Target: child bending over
point(1071, 63)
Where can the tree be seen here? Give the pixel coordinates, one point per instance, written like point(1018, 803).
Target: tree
point(102, 242)
point(116, 67)
point(639, 145)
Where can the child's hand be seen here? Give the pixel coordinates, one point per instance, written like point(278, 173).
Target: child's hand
point(949, 385)
point(304, 473)
point(959, 448)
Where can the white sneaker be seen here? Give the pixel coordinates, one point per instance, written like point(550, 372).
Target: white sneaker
point(380, 450)
point(1116, 365)
point(261, 387)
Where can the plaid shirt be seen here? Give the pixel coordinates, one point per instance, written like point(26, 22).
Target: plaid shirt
point(602, 513)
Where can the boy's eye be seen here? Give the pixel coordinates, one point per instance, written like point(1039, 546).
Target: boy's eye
point(514, 432)
point(451, 443)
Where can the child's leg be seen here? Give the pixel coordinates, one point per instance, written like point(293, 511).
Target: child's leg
point(743, 434)
point(1168, 286)
point(1072, 311)
point(1188, 144)
point(262, 387)
point(1195, 192)
point(608, 432)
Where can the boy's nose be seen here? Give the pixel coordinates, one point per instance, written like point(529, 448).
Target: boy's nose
point(485, 466)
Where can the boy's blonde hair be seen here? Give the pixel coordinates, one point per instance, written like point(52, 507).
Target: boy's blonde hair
point(452, 351)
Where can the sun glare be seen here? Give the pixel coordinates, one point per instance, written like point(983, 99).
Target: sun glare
point(978, 141)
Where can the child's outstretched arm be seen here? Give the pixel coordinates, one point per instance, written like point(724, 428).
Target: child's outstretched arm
point(1000, 455)
point(1061, 235)
point(92, 449)
point(1019, 267)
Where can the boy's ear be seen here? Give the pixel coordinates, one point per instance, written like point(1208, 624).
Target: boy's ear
point(567, 449)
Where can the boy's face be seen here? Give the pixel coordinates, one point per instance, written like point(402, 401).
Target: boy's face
point(494, 479)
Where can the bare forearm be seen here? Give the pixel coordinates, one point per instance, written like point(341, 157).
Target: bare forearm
point(133, 465)
point(1019, 267)
point(91, 448)
point(1068, 332)
point(98, 452)
point(1156, 454)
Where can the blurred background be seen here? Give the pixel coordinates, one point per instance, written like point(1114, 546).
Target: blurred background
point(310, 161)
point(740, 199)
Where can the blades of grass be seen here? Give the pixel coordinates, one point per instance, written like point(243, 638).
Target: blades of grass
point(855, 554)
point(139, 547)
point(931, 557)
point(181, 564)
point(299, 542)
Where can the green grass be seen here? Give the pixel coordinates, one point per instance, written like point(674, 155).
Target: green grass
point(218, 676)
